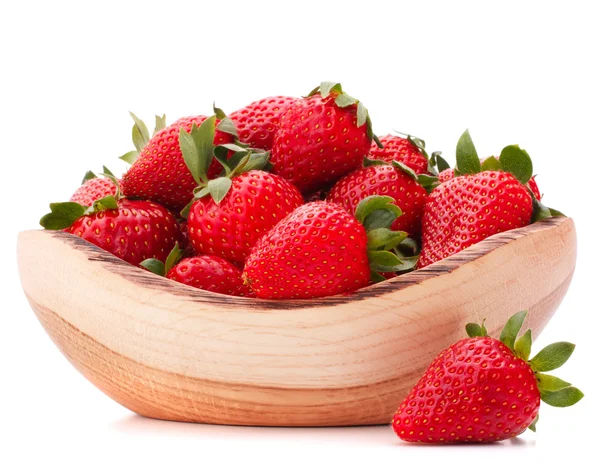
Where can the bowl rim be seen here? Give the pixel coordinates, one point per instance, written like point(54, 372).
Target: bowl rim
point(148, 279)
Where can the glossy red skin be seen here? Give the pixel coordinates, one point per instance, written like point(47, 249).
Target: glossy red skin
point(475, 391)
point(448, 174)
point(316, 251)
point(160, 173)
point(401, 150)
point(470, 208)
point(92, 190)
point(257, 123)
point(137, 230)
point(210, 273)
point(383, 180)
point(256, 201)
point(317, 143)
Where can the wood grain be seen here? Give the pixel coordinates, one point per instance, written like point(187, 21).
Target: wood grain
point(169, 351)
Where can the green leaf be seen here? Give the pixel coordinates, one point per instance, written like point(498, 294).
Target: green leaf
point(419, 143)
point(376, 277)
point(517, 162)
point(384, 261)
point(407, 248)
point(327, 87)
point(467, 161)
point(219, 187)
point(154, 266)
point(552, 356)
point(228, 126)
point(344, 100)
point(374, 137)
point(556, 213)
point(160, 123)
point(523, 346)
point(200, 192)
point(185, 212)
point(107, 172)
point(130, 157)
point(174, 256)
point(562, 398)
point(361, 114)
point(550, 383)
point(90, 175)
point(540, 211)
point(139, 133)
point(491, 164)
point(409, 171)
point(190, 153)
point(532, 426)
point(256, 161)
point(377, 212)
point(219, 112)
point(198, 149)
point(474, 330)
point(369, 162)
point(384, 238)
point(440, 162)
point(62, 215)
point(428, 182)
point(106, 203)
point(511, 329)
point(234, 148)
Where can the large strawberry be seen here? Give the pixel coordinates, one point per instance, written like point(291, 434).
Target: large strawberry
point(257, 123)
point(477, 204)
point(131, 230)
point(408, 150)
point(394, 180)
point(229, 214)
point(320, 250)
point(206, 272)
point(159, 172)
point(482, 389)
point(321, 138)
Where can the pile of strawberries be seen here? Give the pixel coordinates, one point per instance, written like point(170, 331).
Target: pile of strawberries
point(295, 198)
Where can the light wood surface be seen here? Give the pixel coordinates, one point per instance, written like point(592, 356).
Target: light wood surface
point(169, 351)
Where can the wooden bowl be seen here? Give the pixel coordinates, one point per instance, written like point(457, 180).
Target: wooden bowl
point(169, 351)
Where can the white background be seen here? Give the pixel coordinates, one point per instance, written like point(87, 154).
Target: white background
point(512, 72)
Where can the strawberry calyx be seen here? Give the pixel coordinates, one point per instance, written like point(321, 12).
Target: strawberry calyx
point(553, 391)
point(63, 214)
point(343, 100)
point(384, 246)
point(158, 267)
point(428, 182)
point(140, 136)
point(513, 159)
point(198, 151)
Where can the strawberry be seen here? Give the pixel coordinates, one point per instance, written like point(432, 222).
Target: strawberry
point(384, 180)
point(320, 250)
point(482, 389)
point(205, 272)
point(257, 123)
point(229, 214)
point(409, 150)
point(93, 188)
point(159, 172)
point(477, 204)
point(130, 230)
point(321, 138)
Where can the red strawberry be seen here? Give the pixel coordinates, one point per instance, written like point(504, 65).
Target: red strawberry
point(210, 273)
point(160, 173)
point(229, 228)
point(257, 123)
point(532, 184)
point(400, 149)
point(94, 188)
point(320, 250)
point(469, 208)
point(482, 389)
point(130, 230)
point(383, 180)
point(229, 214)
point(446, 175)
point(321, 138)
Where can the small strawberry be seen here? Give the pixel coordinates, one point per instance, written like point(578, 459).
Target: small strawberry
point(321, 138)
point(477, 204)
point(320, 250)
point(229, 214)
point(159, 172)
point(93, 188)
point(257, 123)
point(130, 230)
point(408, 150)
point(204, 272)
point(394, 180)
point(481, 389)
